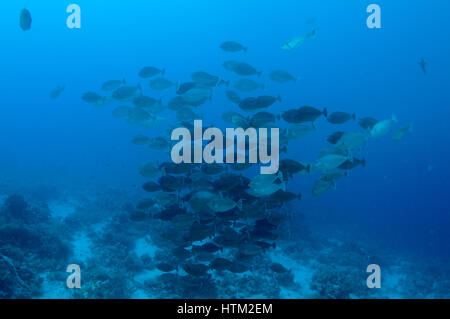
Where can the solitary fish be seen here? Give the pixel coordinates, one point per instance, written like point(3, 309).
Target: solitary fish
point(295, 42)
point(232, 46)
point(25, 20)
point(150, 71)
point(281, 76)
point(56, 91)
point(423, 66)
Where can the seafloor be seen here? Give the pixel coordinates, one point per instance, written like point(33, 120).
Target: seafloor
point(42, 231)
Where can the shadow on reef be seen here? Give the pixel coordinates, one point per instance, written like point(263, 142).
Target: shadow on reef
point(30, 245)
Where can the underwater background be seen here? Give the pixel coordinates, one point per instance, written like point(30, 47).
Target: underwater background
point(70, 177)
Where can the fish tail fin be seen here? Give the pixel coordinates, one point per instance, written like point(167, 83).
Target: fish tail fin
point(354, 117)
point(325, 112)
point(163, 71)
point(245, 49)
point(308, 168)
point(279, 98)
point(299, 196)
point(124, 81)
point(363, 162)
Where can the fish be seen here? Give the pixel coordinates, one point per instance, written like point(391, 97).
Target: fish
point(297, 41)
point(151, 187)
point(145, 101)
point(401, 132)
point(220, 264)
point(186, 86)
point(137, 115)
point(335, 137)
point(176, 169)
point(278, 268)
point(233, 96)
point(149, 170)
point(121, 111)
point(158, 143)
point(150, 71)
point(261, 118)
point(232, 46)
point(181, 253)
point(281, 76)
point(330, 161)
point(228, 182)
point(221, 204)
point(164, 199)
point(145, 204)
point(303, 114)
point(241, 68)
point(140, 140)
point(166, 267)
point(125, 93)
point(321, 186)
point(423, 66)
point(352, 163)
point(236, 119)
point(283, 196)
point(352, 141)
point(112, 84)
point(197, 96)
point(213, 168)
point(332, 175)
point(289, 167)
point(297, 131)
point(56, 92)
point(25, 20)
point(383, 127)
point(367, 123)
point(206, 79)
point(161, 84)
point(260, 102)
point(208, 248)
point(340, 117)
point(95, 99)
point(185, 114)
point(197, 270)
point(265, 185)
point(169, 213)
point(177, 103)
point(247, 85)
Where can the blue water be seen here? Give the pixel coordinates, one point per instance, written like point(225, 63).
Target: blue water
point(399, 202)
